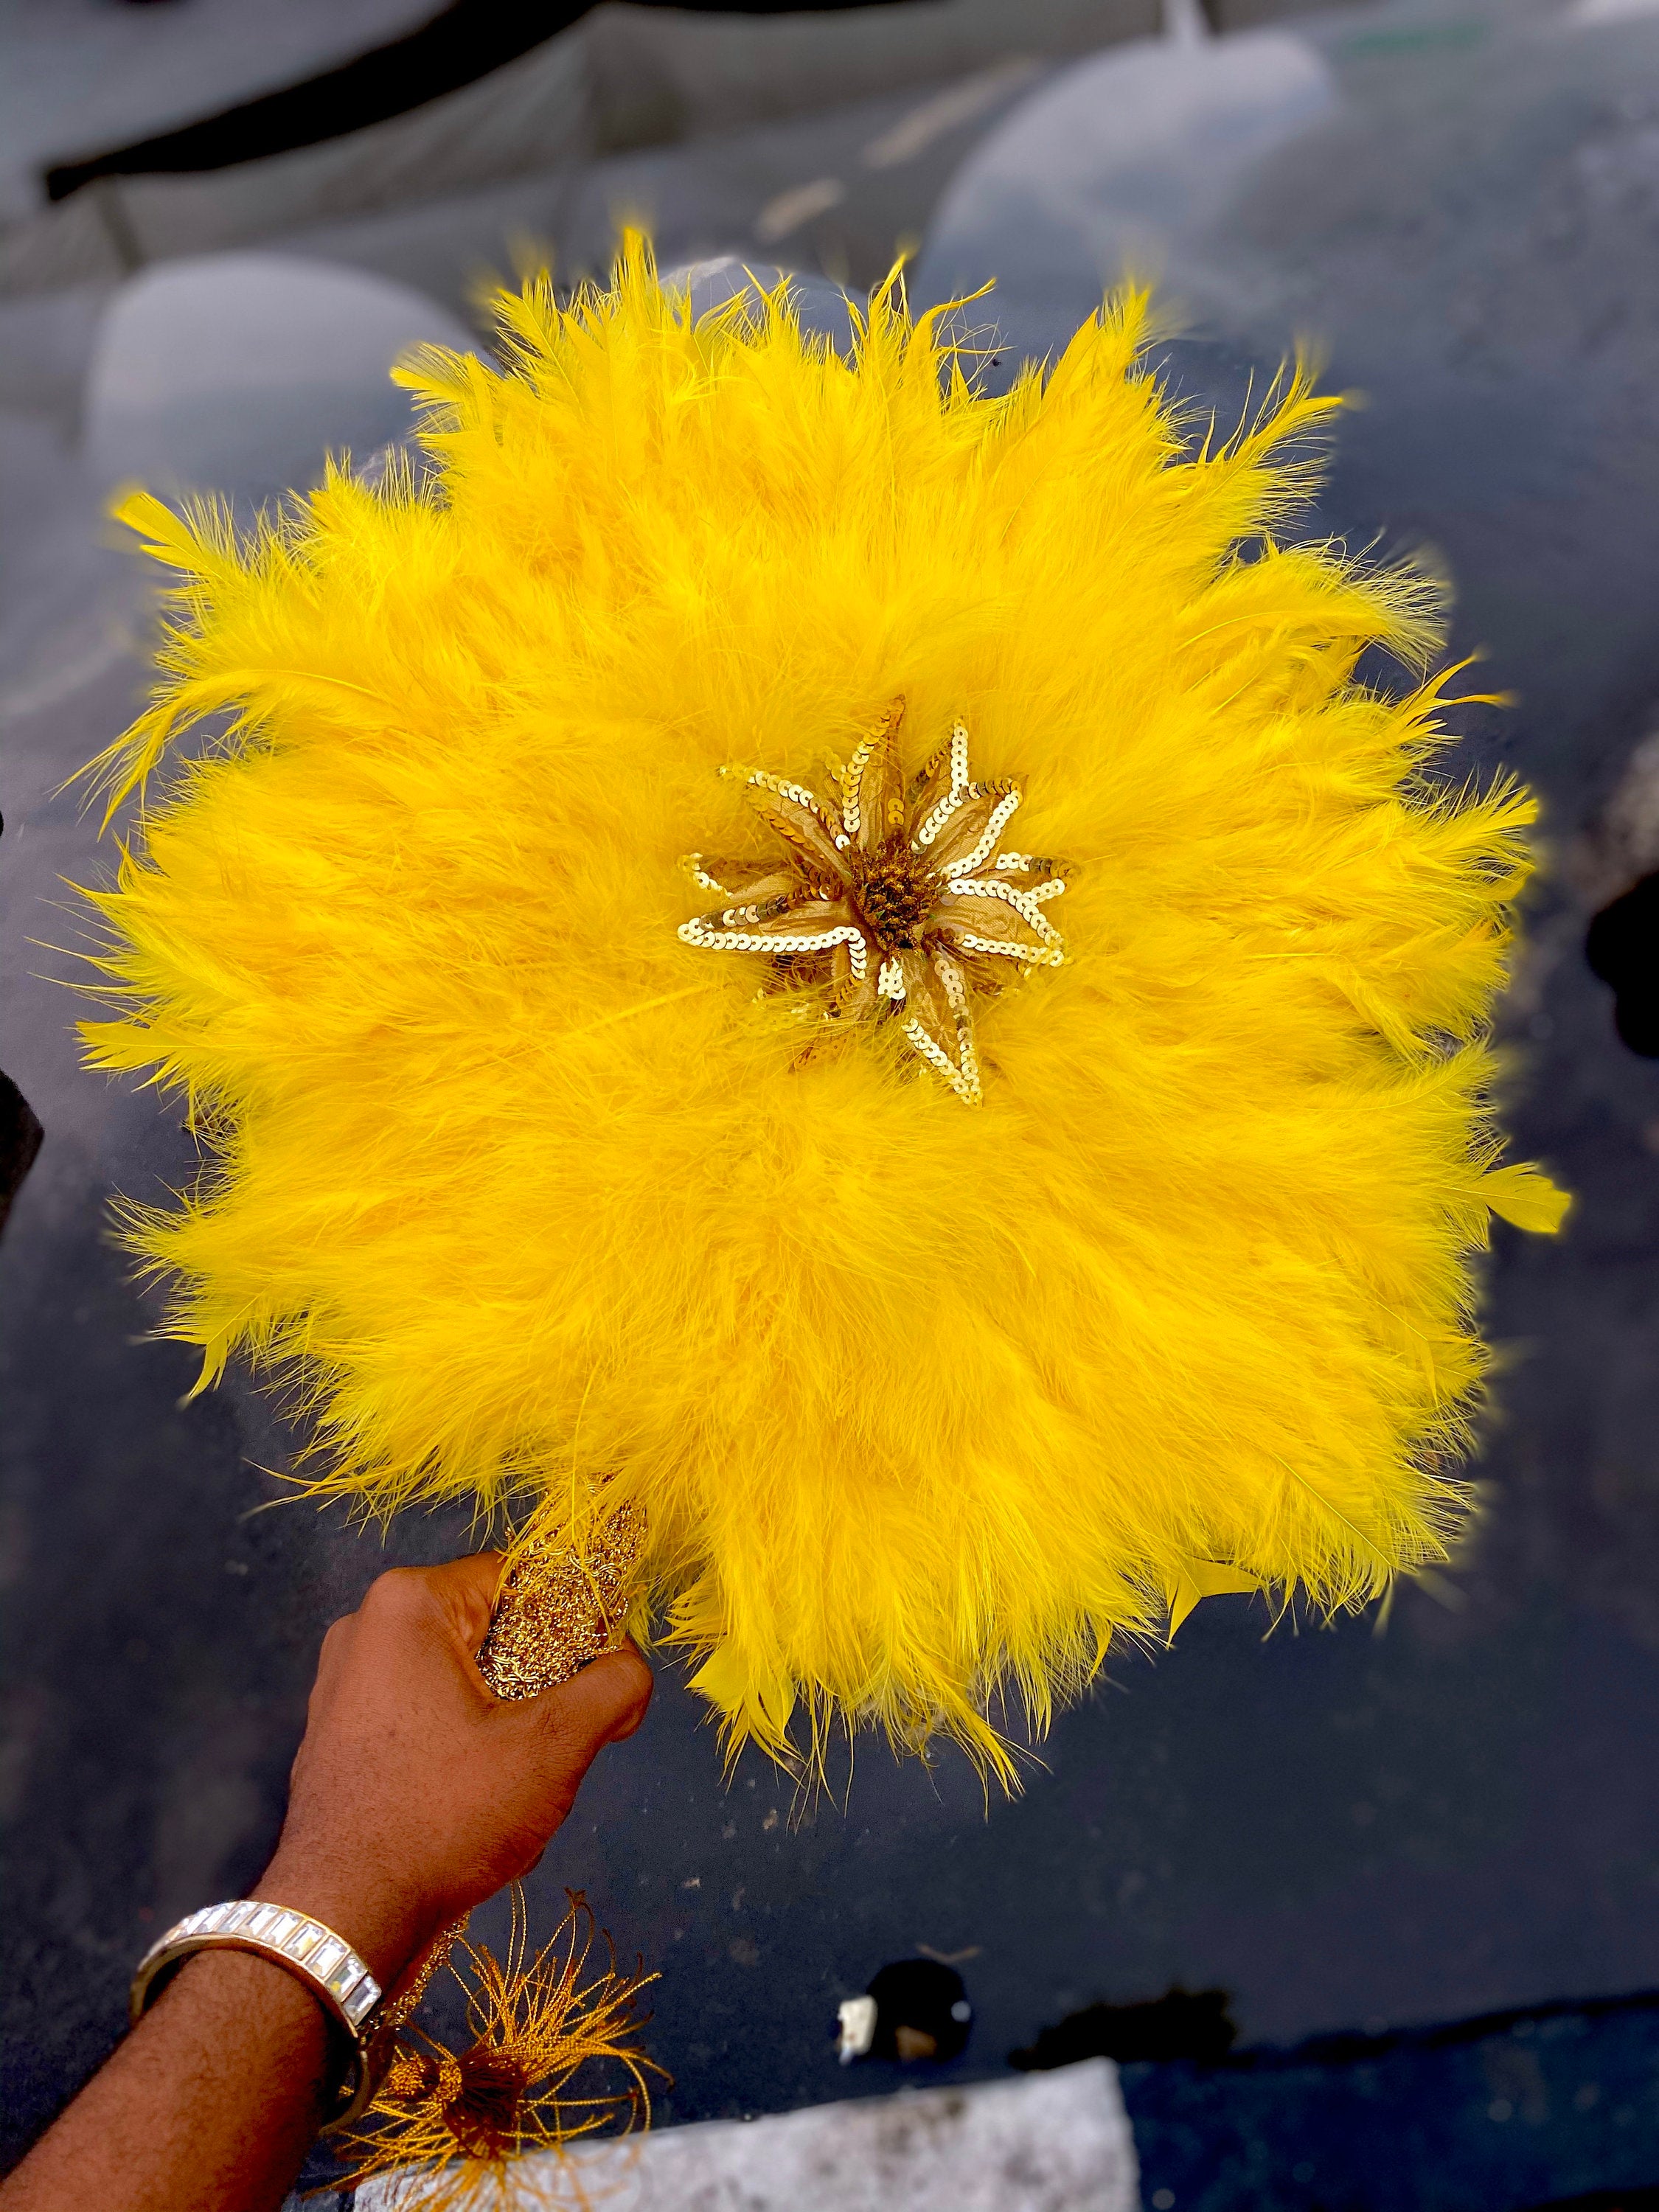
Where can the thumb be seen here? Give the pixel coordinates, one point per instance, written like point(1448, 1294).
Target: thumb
point(602, 1705)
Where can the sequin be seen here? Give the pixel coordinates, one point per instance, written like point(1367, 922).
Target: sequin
point(878, 874)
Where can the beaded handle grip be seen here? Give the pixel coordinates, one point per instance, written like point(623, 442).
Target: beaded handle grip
point(559, 1608)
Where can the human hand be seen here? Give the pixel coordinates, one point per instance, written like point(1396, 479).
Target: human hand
point(417, 1792)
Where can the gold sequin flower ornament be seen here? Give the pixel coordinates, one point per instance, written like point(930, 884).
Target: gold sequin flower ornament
point(889, 901)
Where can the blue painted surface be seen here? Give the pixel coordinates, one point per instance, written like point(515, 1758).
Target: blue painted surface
point(1488, 2116)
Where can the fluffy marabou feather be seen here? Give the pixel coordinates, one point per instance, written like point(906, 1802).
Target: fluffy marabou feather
point(922, 1400)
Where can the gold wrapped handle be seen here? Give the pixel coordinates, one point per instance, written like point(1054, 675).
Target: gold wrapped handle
point(560, 1608)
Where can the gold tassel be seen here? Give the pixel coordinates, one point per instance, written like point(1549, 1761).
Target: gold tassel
point(536, 2026)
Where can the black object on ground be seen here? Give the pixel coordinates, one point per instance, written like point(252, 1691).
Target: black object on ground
point(1622, 948)
point(921, 2011)
point(1182, 2024)
point(21, 1139)
point(1606, 2200)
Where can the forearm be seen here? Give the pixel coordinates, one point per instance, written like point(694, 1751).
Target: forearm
point(215, 2097)
point(209, 2105)
point(417, 1793)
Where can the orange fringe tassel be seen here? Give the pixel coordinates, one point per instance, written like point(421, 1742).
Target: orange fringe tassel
point(456, 2119)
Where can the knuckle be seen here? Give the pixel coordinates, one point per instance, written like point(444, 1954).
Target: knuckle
point(400, 1594)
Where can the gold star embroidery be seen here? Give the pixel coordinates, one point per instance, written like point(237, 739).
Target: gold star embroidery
point(892, 903)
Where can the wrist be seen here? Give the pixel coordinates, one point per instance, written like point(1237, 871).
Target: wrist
point(247, 1985)
point(387, 1928)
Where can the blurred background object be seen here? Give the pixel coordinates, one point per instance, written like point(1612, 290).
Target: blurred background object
point(239, 368)
point(1410, 1866)
point(449, 110)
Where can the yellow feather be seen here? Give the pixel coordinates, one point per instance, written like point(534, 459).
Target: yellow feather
point(921, 1400)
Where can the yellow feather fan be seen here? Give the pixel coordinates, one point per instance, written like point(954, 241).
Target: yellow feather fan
point(1053, 1242)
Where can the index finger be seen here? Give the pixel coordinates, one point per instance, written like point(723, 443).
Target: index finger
point(467, 1588)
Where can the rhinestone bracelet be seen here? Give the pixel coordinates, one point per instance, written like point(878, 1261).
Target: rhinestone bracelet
point(324, 1961)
